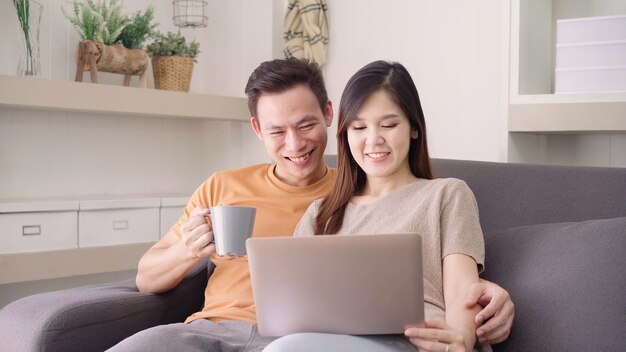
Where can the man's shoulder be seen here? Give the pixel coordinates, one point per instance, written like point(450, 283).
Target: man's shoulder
point(245, 171)
point(248, 173)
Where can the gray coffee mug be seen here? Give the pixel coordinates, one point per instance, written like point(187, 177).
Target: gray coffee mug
point(232, 225)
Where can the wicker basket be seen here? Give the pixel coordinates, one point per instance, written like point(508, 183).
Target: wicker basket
point(172, 72)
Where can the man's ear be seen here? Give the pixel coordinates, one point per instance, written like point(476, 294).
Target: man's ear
point(256, 128)
point(328, 113)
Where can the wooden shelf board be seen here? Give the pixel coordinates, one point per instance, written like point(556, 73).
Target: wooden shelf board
point(56, 95)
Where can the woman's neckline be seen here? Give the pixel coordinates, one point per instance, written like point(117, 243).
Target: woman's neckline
point(395, 190)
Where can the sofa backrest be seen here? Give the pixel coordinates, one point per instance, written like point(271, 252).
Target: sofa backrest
point(565, 270)
point(511, 195)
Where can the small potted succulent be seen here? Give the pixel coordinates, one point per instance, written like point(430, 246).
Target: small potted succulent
point(172, 61)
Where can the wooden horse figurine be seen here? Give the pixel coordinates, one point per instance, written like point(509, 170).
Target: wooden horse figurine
point(94, 56)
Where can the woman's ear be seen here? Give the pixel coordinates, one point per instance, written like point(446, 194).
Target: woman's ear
point(414, 134)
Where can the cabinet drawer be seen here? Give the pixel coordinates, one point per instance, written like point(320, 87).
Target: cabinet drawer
point(117, 226)
point(38, 231)
point(590, 80)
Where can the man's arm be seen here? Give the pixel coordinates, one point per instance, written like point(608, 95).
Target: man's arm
point(165, 264)
point(497, 314)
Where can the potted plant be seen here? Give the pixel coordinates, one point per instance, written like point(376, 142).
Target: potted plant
point(111, 42)
point(172, 61)
point(139, 29)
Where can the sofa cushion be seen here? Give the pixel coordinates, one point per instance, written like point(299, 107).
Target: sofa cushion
point(568, 283)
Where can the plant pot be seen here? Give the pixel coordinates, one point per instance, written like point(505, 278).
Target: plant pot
point(172, 72)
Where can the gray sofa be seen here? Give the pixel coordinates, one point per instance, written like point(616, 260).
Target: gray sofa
point(555, 239)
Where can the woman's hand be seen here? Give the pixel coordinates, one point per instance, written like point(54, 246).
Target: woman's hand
point(435, 336)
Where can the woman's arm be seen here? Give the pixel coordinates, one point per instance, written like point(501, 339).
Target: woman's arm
point(457, 333)
point(459, 273)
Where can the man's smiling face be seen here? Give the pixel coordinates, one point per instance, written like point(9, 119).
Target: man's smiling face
point(292, 126)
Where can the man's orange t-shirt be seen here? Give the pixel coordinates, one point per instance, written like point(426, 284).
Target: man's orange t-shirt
point(228, 295)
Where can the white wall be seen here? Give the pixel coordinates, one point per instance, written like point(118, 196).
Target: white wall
point(57, 154)
point(456, 52)
point(237, 38)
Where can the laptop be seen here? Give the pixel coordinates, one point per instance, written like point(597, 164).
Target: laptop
point(359, 284)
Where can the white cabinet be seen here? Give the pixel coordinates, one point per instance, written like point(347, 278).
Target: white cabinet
point(171, 210)
point(44, 225)
point(38, 226)
point(60, 238)
point(571, 128)
point(590, 55)
point(118, 221)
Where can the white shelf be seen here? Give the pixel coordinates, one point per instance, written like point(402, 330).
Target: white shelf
point(532, 70)
point(22, 267)
point(569, 117)
point(45, 94)
point(567, 98)
point(550, 113)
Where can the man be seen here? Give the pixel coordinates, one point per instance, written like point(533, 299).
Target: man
point(290, 115)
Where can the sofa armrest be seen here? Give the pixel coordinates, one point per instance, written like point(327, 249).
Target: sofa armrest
point(94, 318)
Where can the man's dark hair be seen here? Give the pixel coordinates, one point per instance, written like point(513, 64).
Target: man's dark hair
point(279, 75)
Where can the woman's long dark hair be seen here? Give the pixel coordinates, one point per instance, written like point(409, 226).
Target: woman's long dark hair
point(394, 79)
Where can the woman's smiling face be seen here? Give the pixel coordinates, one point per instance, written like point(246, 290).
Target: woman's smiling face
point(380, 136)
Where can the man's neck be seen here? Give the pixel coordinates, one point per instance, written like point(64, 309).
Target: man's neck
point(315, 177)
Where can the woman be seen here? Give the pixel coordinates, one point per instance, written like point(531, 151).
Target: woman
point(385, 184)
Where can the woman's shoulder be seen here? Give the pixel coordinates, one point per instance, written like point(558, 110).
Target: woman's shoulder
point(448, 183)
point(313, 208)
point(315, 205)
point(306, 225)
point(446, 187)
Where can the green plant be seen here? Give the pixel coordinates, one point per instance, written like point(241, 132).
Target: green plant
point(172, 44)
point(23, 15)
point(102, 21)
point(139, 29)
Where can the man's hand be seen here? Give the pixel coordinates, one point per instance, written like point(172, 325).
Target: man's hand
point(497, 314)
point(197, 234)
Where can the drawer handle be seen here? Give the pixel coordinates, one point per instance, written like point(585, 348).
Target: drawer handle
point(120, 225)
point(31, 230)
